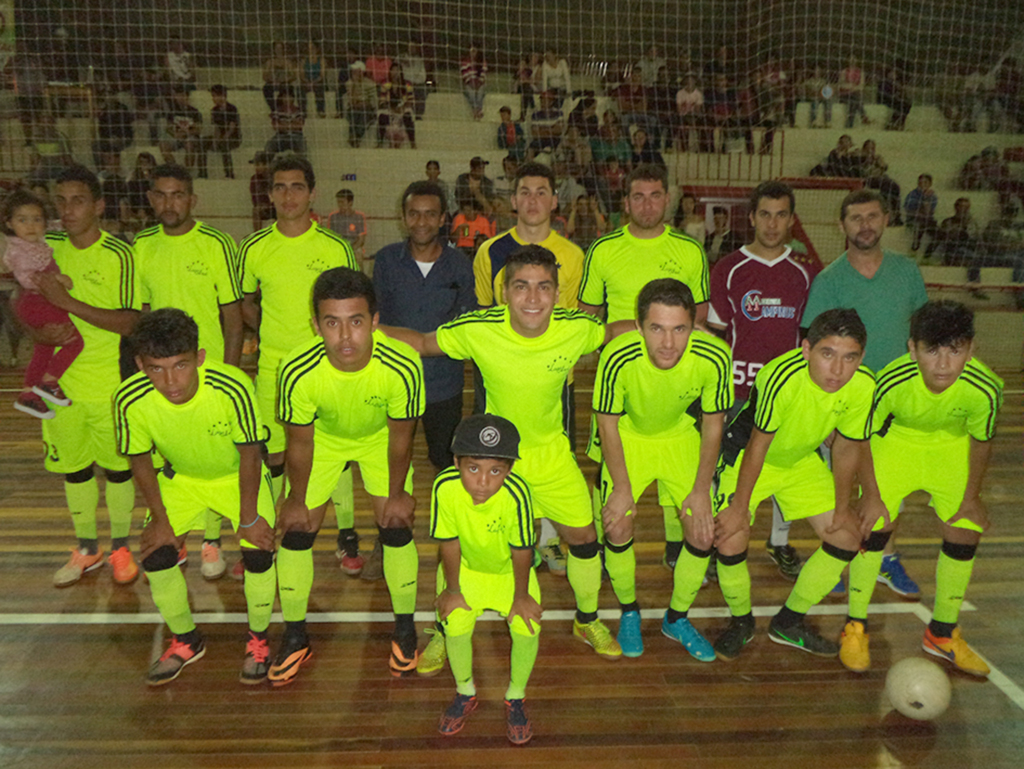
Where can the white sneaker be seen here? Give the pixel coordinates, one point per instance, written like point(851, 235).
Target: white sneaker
point(553, 557)
point(214, 564)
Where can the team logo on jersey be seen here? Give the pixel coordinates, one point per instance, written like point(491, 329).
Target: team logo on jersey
point(220, 427)
point(756, 307)
point(94, 277)
point(197, 268)
point(376, 401)
point(490, 437)
point(668, 267)
point(317, 266)
point(560, 364)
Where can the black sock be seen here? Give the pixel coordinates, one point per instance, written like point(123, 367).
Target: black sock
point(404, 625)
point(788, 618)
point(296, 629)
point(585, 618)
point(634, 606)
point(191, 637)
point(864, 622)
point(90, 546)
point(672, 551)
point(942, 629)
point(261, 634)
point(674, 616)
point(118, 542)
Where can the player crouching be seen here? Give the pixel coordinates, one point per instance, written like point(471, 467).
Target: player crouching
point(482, 514)
point(201, 417)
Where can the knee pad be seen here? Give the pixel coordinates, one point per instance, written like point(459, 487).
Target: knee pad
point(876, 542)
point(276, 471)
point(838, 552)
point(394, 537)
point(81, 476)
point(732, 560)
point(257, 561)
point(701, 553)
point(161, 559)
point(958, 552)
point(118, 476)
point(618, 548)
point(585, 551)
point(298, 540)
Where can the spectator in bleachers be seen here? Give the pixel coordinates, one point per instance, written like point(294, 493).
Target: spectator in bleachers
point(688, 219)
point(502, 214)
point(892, 92)
point(610, 143)
point(547, 125)
point(116, 72)
point(362, 103)
point(312, 73)
point(280, 76)
point(721, 241)
point(920, 208)
point(690, 114)
point(344, 75)
point(851, 92)
point(469, 225)
point(661, 99)
point(842, 161)
point(227, 133)
point(349, 223)
point(434, 176)
point(116, 216)
point(644, 152)
point(114, 133)
point(395, 119)
point(634, 108)
point(1006, 97)
point(260, 184)
point(756, 107)
point(958, 240)
point(779, 83)
point(378, 64)
point(474, 186)
point(50, 151)
point(555, 77)
point(30, 82)
point(528, 72)
point(140, 211)
point(614, 75)
point(819, 92)
point(287, 121)
point(150, 93)
point(505, 184)
point(612, 178)
point(510, 135)
point(584, 117)
point(976, 95)
point(876, 177)
point(720, 110)
point(568, 186)
point(415, 69)
point(179, 66)
point(586, 223)
point(650, 65)
point(474, 80)
point(1003, 245)
point(575, 150)
point(722, 64)
point(984, 171)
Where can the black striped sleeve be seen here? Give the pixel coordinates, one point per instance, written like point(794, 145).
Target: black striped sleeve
point(243, 403)
point(990, 393)
point(773, 387)
point(242, 264)
point(288, 379)
point(128, 279)
point(410, 373)
point(523, 535)
point(721, 383)
point(227, 253)
point(350, 255)
point(607, 399)
point(437, 514)
point(131, 441)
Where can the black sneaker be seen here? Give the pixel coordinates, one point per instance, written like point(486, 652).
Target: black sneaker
point(739, 633)
point(294, 651)
point(455, 715)
point(257, 660)
point(404, 655)
point(800, 636)
point(786, 559)
point(517, 723)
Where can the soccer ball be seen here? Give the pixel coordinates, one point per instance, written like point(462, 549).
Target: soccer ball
point(918, 689)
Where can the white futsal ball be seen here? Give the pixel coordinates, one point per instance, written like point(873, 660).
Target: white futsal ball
point(918, 689)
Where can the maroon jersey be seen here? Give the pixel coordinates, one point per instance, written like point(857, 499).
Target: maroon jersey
point(760, 303)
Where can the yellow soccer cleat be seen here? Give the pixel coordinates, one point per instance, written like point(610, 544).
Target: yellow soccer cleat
point(853, 647)
point(597, 636)
point(955, 651)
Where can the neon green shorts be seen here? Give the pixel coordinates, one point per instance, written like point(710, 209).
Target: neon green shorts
point(904, 466)
point(187, 499)
point(81, 434)
point(266, 399)
point(330, 457)
point(484, 591)
point(560, 492)
point(672, 462)
point(803, 491)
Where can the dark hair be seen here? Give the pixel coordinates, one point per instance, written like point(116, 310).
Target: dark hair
point(294, 163)
point(343, 283)
point(527, 255)
point(667, 291)
point(645, 172)
point(13, 202)
point(838, 321)
point(434, 163)
point(346, 193)
point(171, 171)
point(84, 176)
point(773, 191)
point(221, 90)
point(534, 169)
point(425, 188)
point(925, 176)
point(719, 210)
point(164, 333)
point(859, 197)
point(942, 323)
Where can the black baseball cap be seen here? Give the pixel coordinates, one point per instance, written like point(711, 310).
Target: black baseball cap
point(486, 435)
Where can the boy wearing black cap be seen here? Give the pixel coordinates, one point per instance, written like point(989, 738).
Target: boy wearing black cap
point(482, 513)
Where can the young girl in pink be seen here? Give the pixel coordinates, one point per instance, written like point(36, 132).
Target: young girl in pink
point(27, 255)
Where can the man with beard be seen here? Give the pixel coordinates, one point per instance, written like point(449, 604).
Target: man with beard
point(190, 265)
point(886, 288)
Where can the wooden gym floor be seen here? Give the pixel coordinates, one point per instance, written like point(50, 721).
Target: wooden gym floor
point(72, 661)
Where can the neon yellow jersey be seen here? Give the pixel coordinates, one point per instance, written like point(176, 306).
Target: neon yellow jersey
point(489, 267)
point(104, 276)
point(198, 438)
point(619, 265)
point(347, 407)
point(523, 376)
point(486, 532)
point(195, 272)
point(905, 407)
point(660, 403)
point(284, 270)
point(788, 403)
